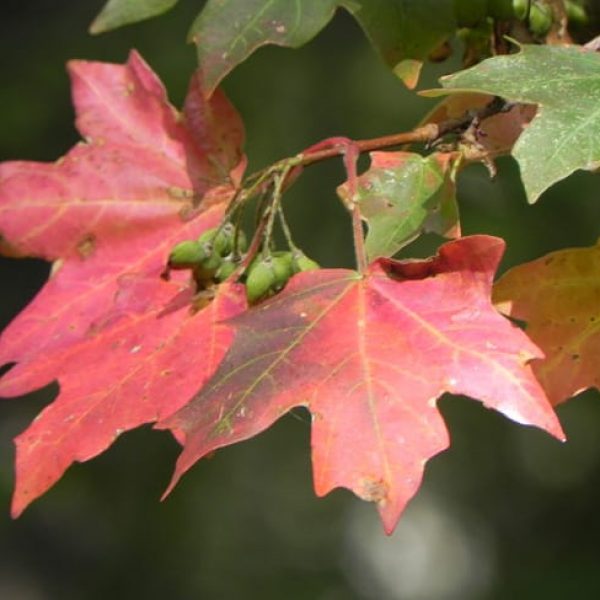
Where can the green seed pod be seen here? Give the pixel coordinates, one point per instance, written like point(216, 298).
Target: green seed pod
point(223, 242)
point(206, 269)
point(260, 280)
point(520, 9)
point(576, 13)
point(186, 255)
point(282, 268)
point(301, 262)
point(469, 13)
point(540, 19)
point(226, 268)
point(501, 10)
point(207, 235)
point(213, 259)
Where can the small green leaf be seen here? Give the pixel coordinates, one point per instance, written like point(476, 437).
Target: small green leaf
point(565, 84)
point(401, 195)
point(117, 13)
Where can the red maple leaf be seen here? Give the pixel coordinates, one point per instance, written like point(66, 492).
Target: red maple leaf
point(121, 342)
point(369, 356)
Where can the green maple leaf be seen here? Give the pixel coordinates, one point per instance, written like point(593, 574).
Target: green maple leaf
point(564, 82)
point(403, 194)
point(227, 32)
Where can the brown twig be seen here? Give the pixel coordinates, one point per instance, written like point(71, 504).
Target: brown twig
point(421, 134)
point(283, 172)
point(427, 134)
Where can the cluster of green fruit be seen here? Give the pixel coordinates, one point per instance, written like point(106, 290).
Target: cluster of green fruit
point(267, 275)
point(471, 13)
point(218, 252)
point(211, 257)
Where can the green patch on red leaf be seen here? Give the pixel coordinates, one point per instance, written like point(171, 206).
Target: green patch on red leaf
point(369, 356)
point(401, 195)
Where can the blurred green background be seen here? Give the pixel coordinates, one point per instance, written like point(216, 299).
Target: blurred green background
point(506, 512)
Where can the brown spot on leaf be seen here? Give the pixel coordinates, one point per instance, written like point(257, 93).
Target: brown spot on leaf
point(372, 490)
point(431, 179)
point(188, 212)
point(203, 298)
point(86, 246)
point(178, 193)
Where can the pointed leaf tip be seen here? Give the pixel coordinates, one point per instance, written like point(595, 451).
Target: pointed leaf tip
point(117, 13)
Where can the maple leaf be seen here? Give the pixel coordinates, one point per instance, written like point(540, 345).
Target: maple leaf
point(557, 296)
point(369, 356)
point(563, 136)
point(120, 340)
point(401, 195)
